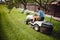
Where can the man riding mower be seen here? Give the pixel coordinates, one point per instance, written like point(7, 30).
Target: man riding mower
point(39, 25)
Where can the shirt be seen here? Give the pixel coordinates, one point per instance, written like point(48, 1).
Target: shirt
point(41, 13)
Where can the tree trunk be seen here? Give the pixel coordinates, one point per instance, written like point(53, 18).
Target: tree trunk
point(25, 6)
point(40, 3)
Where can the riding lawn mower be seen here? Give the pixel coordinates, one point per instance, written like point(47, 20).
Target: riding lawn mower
point(41, 26)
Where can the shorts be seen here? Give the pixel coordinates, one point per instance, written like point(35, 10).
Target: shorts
point(42, 18)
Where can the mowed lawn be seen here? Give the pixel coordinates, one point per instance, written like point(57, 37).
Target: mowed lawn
point(12, 27)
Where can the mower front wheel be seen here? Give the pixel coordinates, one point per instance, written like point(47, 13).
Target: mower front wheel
point(36, 27)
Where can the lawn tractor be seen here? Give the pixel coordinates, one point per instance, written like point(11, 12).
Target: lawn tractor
point(42, 26)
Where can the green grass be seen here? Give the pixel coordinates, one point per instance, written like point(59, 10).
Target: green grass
point(12, 27)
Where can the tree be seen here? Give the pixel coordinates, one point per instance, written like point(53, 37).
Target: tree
point(47, 2)
point(9, 3)
point(39, 2)
point(24, 2)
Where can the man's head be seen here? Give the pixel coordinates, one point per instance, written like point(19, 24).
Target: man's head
point(38, 8)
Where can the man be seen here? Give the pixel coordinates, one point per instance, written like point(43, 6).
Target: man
point(41, 14)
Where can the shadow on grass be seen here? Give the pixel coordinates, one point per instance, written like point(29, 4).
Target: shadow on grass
point(3, 36)
point(56, 34)
point(56, 31)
